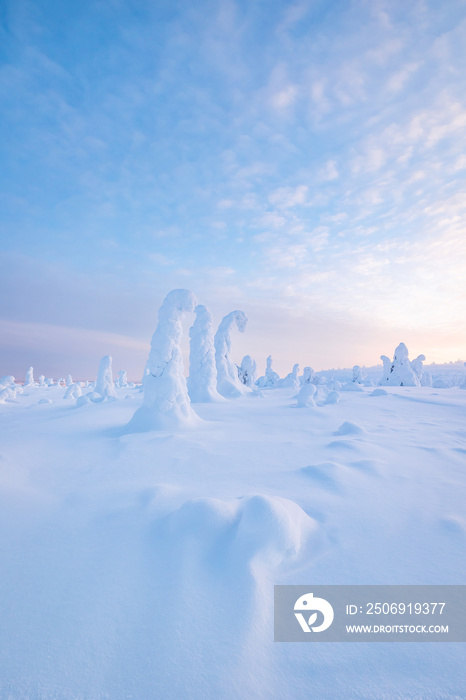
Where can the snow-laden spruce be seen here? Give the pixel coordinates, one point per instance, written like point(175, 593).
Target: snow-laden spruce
point(399, 372)
point(69, 380)
point(228, 383)
point(306, 395)
point(417, 365)
point(202, 380)
point(166, 404)
point(104, 387)
point(270, 379)
point(291, 380)
point(247, 371)
point(122, 379)
point(308, 376)
point(73, 391)
point(29, 379)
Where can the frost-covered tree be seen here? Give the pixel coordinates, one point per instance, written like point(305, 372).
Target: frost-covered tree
point(306, 395)
point(228, 383)
point(400, 372)
point(358, 374)
point(29, 380)
point(41, 380)
point(104, 387)
point(291, 380)
point(270, 379)
point(247, 371)
point(122, 379)
point(308, 376)
point(69, 380)
point(202, 380)
point(166, 404)
point(73, 391)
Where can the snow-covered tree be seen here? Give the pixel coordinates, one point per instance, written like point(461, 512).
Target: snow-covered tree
point(247, 371)
point(122, 379)
point(202, 380)
point(69, 380)
point(166, 404)
point(308, 376)
point(270, 379)
point(358, 374)
point(104, 387)
point(306, 395)
point(400, 372)
point(29, 380)
point(73, 391)
point(291, 380)
point(228, 383)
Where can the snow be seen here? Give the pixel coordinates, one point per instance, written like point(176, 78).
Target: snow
point(29, 379)
point(142, 564)
point(166, 404)
point(228, 382)
point(202, 380)
point(247, 371)
point(270, 379)
point(104, 388)
point(401, 372)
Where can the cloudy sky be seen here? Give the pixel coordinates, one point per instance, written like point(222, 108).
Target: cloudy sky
point(302, 161)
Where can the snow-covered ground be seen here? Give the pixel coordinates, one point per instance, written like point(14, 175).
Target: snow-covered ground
point(141, 565)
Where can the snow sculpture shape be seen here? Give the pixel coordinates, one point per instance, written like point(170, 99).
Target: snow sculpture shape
point(306, 394)
point(29, 380)
point(424, 377)
point(358, 374)
point(166, 404)
point(270, 379)
point(104, 386)
point(247, 371)
point(400, 372)
point(73, 391)
point(69, 380)
point(202, 380)
point(291, 380)
point(228, 383)
point(122, 379)
point(41, 380)
point(308, 376)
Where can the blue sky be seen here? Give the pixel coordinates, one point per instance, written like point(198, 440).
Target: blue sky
point(302, 161)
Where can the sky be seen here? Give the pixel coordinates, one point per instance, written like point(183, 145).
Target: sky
point(304, 162)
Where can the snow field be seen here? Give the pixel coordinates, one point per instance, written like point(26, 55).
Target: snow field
point(142, 565)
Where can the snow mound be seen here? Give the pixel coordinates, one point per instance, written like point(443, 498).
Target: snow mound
point(349, 428)
point(43, 401)
point(333, 397)
point(306, 395)
point(324, 475)
point(439, 384)
point(379, 392)
point(250, 531)
point(73, 391)
point(350, 386)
